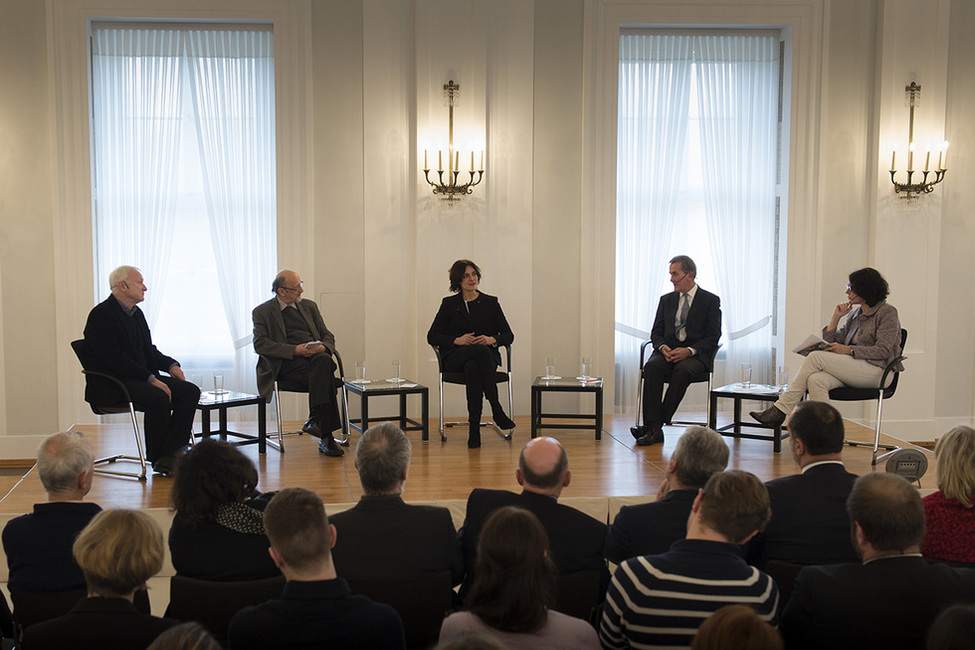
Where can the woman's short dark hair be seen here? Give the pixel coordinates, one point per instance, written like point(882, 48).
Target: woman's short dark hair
point(457, 270)
point(869, 285)
point(514, 578)
point(209, 475)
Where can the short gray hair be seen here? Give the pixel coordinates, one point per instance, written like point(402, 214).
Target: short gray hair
point(382, 454)
point(62, 458)
point(120, 274)
point(700, 453)
point(687, 265)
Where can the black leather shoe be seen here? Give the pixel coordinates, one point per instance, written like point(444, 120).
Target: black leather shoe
point(163, 466)
point(329, 447)
point(654, 437)
point(638, 432)
point(770, 417)
point(311, 427)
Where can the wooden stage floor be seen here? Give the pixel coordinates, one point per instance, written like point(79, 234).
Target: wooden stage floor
point(613, 466)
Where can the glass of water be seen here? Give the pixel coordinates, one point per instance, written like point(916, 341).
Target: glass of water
point(783, 378)
point(397, 369)
point(746, 375)
point(586, 368)
point(549, 368)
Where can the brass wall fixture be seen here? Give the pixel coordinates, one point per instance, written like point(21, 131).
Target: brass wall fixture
point(451, 191)
point(912, 189)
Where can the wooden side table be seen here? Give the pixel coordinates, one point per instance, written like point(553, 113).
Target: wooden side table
point(593, 385)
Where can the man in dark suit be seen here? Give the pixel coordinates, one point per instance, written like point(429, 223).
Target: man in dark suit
point(295, 346)
point(650, 528)
point(685, 337)
point(118, 336)
point(888, 601)
point(576, 539)
point(426, 541)
point(809, 523)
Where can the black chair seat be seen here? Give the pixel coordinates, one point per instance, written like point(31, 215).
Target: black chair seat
point(421, 604)
point(214, 603)
point(457, 378)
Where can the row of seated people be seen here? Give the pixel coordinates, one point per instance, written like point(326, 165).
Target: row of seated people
point(693, 533)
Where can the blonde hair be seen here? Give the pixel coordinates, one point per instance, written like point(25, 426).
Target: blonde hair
point(118, 551)
point(955, 455)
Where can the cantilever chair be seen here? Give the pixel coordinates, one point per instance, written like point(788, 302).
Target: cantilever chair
point(421, 603)
point(880, 393)
point(639, 395)
point(214, 603)
point(85, 356)
point(302, 387)
point(503, 375)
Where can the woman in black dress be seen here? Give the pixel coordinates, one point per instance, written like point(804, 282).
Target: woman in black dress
point(468, 330)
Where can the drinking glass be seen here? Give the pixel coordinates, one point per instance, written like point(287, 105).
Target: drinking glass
point(218, 385)
point(783, 378)
point(397, 368)
point(746, 375)
point(586, 367)
point(550, 368)
point(360, 372)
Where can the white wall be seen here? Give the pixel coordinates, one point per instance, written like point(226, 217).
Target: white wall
point(362, 87)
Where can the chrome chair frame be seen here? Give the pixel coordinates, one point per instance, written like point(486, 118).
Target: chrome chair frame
point(639, 394)
point(457, 378)
point(278, 442)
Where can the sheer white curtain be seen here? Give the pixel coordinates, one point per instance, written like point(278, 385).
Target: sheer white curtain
point(135, 137)
point(232, 76)
point(654, 91)
point(738, 91)
point(184, 142)
point(696, 175)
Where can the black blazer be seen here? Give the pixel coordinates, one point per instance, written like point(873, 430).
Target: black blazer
point(887, 604)
point(121, 345)
point(426, 541)
point(576, 539)
point(809, 523)
point(703, 325)
point(453, 320)
point(649, 528)
point(105, 623)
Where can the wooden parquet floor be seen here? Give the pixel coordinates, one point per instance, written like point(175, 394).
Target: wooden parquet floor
point(613, 466)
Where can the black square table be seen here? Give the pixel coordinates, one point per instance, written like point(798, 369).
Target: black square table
point(592, 385)
point(209, 401)
point(376, 388)
point(737, 392)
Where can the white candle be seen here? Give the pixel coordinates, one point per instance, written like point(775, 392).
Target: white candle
point(910, 158)
point(440, 153)
point(927, 162)
point(893, 159)
point(456, 161)
point(482, 160)
point(425, 165)
point(472, 162)
point(944, 164)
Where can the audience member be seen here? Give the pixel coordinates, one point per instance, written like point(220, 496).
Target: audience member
point(38, 545)
point(661, 600)
point(685, 337)
point(736, 627)
point(121, 345)
point(471, 641)
point(218, 529)
point(543, 472)
point(118, 552)
point(514, 592)
point(650, 528)
point(186, 636)
point(953, 629)
point(949, 515)
point(427, 541)
point(295, 346)
point(888, 601)
point(317, 609)
point(809, 524)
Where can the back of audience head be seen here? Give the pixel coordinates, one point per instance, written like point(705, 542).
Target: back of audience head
point(889, 512)
point(186, 636)
point(62, 459)
point(700, 453)
point(118, 551)
point(543, 466)
point(819, 426)
point(471, 641)
point(955, 456)
point(515, 576)
point(298, 529)
point(953, 629)
point(211, 474)
point(383, 459)
point(736, 627)
point(734, 504)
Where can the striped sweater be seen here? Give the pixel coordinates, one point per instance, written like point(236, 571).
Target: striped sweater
point(659, 601)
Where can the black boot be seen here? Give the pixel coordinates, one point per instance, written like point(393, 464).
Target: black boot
point(500, 419)
point(474, 436)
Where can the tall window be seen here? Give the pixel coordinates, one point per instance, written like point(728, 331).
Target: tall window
point(183, 150)
point(696, 175)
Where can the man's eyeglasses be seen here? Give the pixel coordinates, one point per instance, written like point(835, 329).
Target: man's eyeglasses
point(301, 285)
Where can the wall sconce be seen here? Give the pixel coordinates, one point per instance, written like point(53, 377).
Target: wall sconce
point(911, 189)
point(450, 190)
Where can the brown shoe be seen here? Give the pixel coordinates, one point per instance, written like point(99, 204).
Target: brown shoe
point(770, 417)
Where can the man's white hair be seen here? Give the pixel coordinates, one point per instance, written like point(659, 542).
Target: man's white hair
point(120, 274)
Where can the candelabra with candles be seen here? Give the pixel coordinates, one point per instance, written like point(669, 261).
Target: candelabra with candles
point(450, 190)
point(912, 189)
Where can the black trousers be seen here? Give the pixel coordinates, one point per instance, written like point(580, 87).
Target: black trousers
point(659, 409)
point(168, 424)
point(316, 374)
point(479, 368)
